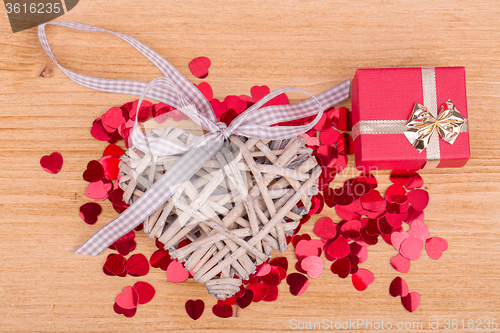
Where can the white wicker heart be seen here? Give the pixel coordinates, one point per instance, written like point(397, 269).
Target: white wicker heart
point(234, 210)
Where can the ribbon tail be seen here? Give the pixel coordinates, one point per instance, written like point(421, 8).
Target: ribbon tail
point(148, 203)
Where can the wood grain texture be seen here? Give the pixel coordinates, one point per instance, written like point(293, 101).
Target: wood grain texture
point(307, 44)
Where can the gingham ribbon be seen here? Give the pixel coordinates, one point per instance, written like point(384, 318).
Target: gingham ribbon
point(177, 91)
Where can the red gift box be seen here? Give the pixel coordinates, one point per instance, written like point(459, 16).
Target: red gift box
point(386, 96)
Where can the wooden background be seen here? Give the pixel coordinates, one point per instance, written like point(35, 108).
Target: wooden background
point(307, 44)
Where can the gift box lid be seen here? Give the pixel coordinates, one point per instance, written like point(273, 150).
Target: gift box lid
point(388, 94)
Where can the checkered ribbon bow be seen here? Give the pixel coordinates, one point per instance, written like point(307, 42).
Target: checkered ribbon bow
point(177, 91)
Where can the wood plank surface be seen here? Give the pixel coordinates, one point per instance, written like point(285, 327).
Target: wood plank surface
point(307, 44)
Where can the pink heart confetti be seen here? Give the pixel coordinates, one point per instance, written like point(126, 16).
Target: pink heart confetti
point(305, 249)
point(411, 248)
point(52, 163)
point(397, 238)
point(362, 279)
point(313, 266)
point(127, 299)
point(400, 263)
point(435, 246)
point(176, 273)
point(418, 229)
point(97, 191)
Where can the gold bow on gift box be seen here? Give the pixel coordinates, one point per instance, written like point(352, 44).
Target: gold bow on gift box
point(422, 125)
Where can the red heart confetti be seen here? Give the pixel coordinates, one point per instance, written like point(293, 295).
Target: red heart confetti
point(327, 156)
point(127, 313)
point(218, 107)
point(145, 291)
point(199, 67)
point(298, 283)
point(435, 246)
point(113, 150)
point(272, 278)
point(329, 137)
point(415, 181)
point(339, 248)
point(396, 194)
point(400, 177)
point(259, 92)
point(263, 269)
point(138, 265)
point(127, 299)
point(313, 266)
point(115, 264)
point(112, 119)
point(206, 90)
point(235, 103)
point(272, 294)
point(418, 199)
point(160, 259)
point(362, 279)
point(259, 291)
point(246, 299)
point(98, 131)
point(373, 201)
point(90, 211)
point(222, 309)
point(280, 262)
point(341, 267)
point(52, 163)
point(325, 228)
point(411, 301)
point(398, 287)
point(323, 124)
point(341, 118)
point(176, 272)
point(195, 309)
point(110, 166)
point(94, 172)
